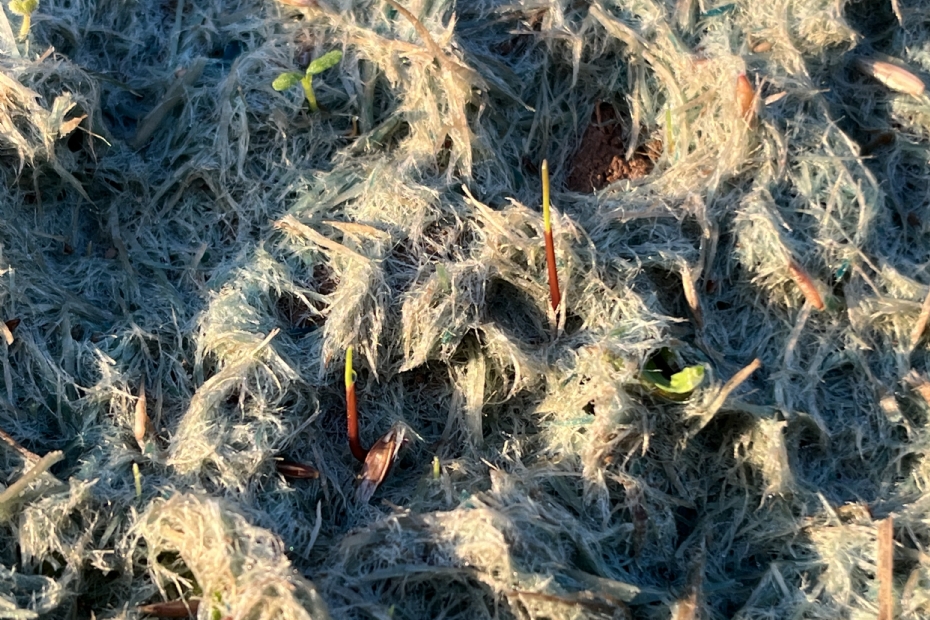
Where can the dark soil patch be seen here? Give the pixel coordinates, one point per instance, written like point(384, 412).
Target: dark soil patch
point(600, 159)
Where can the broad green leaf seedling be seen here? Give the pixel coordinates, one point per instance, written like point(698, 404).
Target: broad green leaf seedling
point(290, 78)
point(24, 9)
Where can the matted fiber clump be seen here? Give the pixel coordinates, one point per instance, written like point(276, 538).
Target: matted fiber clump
point(726, 417)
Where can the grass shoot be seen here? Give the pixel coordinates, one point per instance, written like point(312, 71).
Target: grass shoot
point(555, 296)
point(355, 444)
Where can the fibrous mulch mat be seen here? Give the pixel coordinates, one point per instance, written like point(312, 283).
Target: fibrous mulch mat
point(725, 418)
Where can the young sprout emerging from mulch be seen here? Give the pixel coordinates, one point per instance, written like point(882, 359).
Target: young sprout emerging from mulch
point(376, 462)
point(290, 78)
point(554, 295)
point(24, 9)
point(355, 444)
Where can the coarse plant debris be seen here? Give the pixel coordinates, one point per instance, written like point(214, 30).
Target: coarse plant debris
point(726, 419)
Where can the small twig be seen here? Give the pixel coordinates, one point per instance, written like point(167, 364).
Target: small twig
point(355, 444)
point(15, 490)
point(555, 295)
point(32, 457)
point(734, 382)
point(886, 569)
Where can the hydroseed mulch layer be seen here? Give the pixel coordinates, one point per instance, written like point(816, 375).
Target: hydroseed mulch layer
point(726, 418)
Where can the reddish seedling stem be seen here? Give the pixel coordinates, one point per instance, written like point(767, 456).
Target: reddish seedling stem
point(355, 444)
point(554, 295)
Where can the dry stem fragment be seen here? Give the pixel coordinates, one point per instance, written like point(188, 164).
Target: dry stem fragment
point(921, 323)
point(885, 569)
point(140, 427)
point(734, 382)
point(806, 284)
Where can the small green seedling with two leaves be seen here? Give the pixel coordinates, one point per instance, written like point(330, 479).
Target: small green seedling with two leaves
point(321, 64)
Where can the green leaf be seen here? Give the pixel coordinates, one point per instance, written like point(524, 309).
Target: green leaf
point(683, 382)
point(286, 80)
point(687, 380)
point(324, 62)
point(23, 7)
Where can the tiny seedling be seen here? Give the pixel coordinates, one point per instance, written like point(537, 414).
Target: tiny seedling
point(377, 462)
point(24, 9)
point(137, 478)
point(355, 444)
point(659, 376)
point(554, 295)
point(290, 78)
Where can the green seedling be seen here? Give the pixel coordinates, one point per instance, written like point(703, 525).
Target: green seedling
point(555, 297)
point(24, 9)
point(290, 78)
point(355, 443)
point(658, 376)
point(137, 477)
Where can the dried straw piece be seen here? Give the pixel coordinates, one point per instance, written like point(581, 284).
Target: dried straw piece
point(734, 382)
point(691, 296)
point(892, 75)
point(172, 609)
point(885, 569)
point(297, 471)
point(32, 457)
point(11, 496)
point(141, 423)
point(921, 323)
point(7, 328)
point(919, 383)
point(745, 95)
point(806, 284)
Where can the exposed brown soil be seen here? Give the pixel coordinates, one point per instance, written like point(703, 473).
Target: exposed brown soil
point(599, 160)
